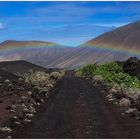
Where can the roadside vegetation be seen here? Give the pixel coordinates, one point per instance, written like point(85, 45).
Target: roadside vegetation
point(42, 79)
point(121, 88)
point(112, 73)
point(29, 91)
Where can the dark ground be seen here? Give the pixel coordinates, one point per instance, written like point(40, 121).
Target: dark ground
point(79, 110)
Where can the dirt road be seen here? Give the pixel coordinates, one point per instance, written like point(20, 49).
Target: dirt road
point(79, 110)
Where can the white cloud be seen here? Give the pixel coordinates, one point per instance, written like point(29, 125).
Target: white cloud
point(1, 26)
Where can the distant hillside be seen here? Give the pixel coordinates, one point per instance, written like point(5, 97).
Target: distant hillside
point(14, 43)
point(125, 37)
point(118, 44)
point(19, 66)
point(27, 50)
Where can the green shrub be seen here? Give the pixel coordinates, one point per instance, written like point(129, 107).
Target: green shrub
point(87, 71)
point(111, 73)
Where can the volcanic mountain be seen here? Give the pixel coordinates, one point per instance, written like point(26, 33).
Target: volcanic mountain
point(38, 52)
point(16, 50)
point(118, 44)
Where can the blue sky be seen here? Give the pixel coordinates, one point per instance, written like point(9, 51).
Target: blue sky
point(69, 23)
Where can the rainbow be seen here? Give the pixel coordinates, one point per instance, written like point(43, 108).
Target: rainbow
point(18, 49)
point(115, 48)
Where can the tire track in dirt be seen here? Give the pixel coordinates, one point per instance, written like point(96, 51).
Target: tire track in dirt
point(78, 110)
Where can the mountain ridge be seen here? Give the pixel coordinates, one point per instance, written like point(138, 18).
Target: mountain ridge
point(122, 36)
point(16, 43)
point(116, 45)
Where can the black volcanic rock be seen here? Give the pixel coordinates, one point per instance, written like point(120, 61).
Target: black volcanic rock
point(132, 66)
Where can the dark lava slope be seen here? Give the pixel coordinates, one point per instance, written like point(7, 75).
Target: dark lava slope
point(20, 66)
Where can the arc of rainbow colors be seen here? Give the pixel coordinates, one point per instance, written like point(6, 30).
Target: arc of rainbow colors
point(92, 46)
point(23, 48)
point(114, 48)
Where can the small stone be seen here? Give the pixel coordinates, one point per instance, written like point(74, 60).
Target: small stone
point(90, 126)
point(113, 91)
point(29, 93)
point(7, 81)
point(15, 117)
point(23, 97)
point(19, 101)
point(12, 111)
point(125, 102)
point(87, 132)
point(9, 137)
point(111, 99)
point(130, 110)
point(13, 106)
point(29, 115)
point(97, 78)
point(50, 85)
point(18, 123)
point(10, 85)
point(32, 109)
point(25, 109)
point(20, 79)
point(122, 113)
point(133, 112)
point(109, 96)
point(137, 118)
point(132, 93)
point(42, 100)
point(38, 104)
point(115, 103)
point(5, 129)
point(27, 120)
